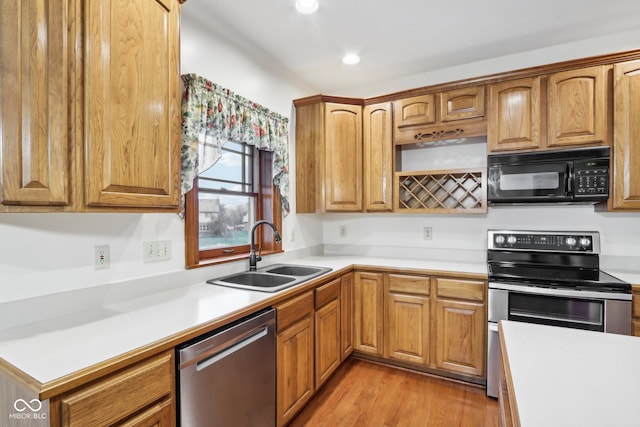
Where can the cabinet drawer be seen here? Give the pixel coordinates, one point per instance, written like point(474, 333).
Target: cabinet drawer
point(327, 293)
point(117, 397)
point(292, 311)
point(472, 290)
point(409, 284)
point(462, 104)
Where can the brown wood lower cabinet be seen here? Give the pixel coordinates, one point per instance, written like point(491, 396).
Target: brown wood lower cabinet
point(432, 323)
point(328, 344)
point(368, 312)
point(295, 361)
point(142, 395)
point(346, 315)
point(407, 318)
point(314, 335)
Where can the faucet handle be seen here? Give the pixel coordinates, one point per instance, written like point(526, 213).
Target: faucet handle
point(259, 257)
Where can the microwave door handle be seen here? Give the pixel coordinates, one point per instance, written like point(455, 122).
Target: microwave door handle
point(570, 178)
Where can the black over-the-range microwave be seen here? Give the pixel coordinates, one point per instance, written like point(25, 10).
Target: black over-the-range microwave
point(560, 176)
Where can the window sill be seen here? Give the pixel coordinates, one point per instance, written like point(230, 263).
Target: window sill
point(226, 259)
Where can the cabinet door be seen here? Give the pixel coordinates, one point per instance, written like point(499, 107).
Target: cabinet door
point(368, 303)
point(378, 153)
point(295, 368)
point(577, 107)
point(328, 349)
point(346, 315)
point(36, 90)
point(407, 318)
point(406, 327)
point(343, 157)
point(460, 327)
point(626, 152)
point(415, 111)
point(132, 97)
point(462, 104)
point(515, 115)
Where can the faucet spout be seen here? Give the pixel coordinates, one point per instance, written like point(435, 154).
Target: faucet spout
point(253, 258)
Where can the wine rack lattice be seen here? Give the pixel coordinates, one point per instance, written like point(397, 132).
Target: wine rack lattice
point(448, 191)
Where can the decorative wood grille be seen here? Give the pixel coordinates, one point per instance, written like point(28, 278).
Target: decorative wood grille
point(445, 191)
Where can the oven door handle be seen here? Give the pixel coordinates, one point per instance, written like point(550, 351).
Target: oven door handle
point(526, 315)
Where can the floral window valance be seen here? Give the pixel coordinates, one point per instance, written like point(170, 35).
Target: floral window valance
point(212, 115)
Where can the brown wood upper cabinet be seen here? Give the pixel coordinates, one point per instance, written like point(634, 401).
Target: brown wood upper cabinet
point(328, 155)
point(36, 87)
point(626, 137)
point(438, 116)
point(91, 112)
point(377, 136)
point(132, 92)
point(560, 110)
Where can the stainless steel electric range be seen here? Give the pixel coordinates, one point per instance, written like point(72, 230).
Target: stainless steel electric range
point(551, 278)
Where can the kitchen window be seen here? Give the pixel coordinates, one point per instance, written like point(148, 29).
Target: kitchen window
point(226, 200)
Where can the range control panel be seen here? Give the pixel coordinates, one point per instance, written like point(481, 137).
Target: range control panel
point(545, 241)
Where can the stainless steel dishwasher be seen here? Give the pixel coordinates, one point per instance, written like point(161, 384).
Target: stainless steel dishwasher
point(228, 377)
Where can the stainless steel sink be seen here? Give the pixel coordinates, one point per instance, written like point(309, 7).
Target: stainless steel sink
point(271, 278)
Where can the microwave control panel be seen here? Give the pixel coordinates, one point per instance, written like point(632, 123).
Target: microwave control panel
point(591, 177)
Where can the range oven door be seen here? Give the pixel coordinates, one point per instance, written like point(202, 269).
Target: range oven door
point(537, 182)
point(595, 311)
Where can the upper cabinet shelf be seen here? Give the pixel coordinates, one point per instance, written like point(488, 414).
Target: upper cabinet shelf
point(439, 116)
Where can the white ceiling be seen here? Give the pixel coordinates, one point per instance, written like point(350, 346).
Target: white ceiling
point(397, 38)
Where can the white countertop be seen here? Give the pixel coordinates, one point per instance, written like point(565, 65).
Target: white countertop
point(59, 346)
point(569, 377)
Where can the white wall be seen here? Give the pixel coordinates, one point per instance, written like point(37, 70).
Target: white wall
point(47, 253)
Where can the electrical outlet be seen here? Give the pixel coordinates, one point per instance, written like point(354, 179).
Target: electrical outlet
point(427, 233)
point(101, 257)
point(343, 231)
point(292, 236)
point(157, 250)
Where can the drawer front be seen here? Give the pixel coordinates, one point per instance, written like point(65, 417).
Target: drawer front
point(327, 293)
point(291, 311)
point(409, 284)
point(471, 290)
point(119, 396)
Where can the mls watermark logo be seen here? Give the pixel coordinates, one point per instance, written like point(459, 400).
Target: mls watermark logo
point(27, 410)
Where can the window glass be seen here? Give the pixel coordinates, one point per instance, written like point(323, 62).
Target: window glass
point(226, 199)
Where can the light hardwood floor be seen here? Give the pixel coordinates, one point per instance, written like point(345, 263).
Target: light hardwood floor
point(364, 394)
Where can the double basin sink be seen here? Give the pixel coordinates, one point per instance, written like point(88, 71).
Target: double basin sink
point(271, 278)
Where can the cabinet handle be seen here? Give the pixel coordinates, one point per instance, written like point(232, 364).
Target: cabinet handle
point(228, 251)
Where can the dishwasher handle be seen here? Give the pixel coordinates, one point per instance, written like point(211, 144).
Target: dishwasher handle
point(218, 354)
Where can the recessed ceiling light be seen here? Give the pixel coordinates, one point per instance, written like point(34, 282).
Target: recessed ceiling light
point(351, 59)
point(307, 6)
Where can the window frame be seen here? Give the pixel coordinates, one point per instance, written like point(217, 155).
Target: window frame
point(268, 207)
